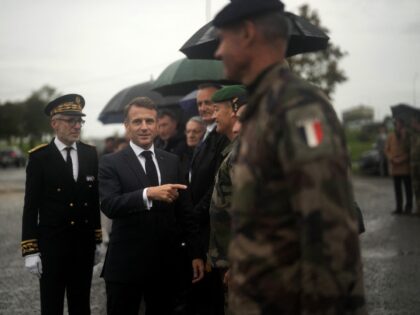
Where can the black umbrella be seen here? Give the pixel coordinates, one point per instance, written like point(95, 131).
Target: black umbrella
point(113, 111)
point(189, 104)
point(304, 37)
point(405, 112)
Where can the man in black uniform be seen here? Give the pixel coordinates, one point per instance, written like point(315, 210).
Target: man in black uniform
point(61, 222)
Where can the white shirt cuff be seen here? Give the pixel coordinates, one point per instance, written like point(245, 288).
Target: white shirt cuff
point(148, 203)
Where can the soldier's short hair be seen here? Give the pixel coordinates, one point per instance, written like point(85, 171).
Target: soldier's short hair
point(141, 101)
point(273, 26)
point(207, 85)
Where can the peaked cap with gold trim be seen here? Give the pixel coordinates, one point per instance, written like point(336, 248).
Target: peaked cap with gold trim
point(70, 104)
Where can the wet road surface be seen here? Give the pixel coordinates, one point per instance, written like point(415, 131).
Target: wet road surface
point(390, 251)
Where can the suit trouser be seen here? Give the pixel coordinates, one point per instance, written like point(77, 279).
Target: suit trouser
point(70, 274)
point(184, 275)
point(125, 298)
point(207, 295)
point(398, 181)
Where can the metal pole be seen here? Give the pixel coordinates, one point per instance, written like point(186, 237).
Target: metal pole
point(208, 10)
point(414, 88)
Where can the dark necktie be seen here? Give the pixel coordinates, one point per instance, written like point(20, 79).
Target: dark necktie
point(150, 168)
point(69, 162)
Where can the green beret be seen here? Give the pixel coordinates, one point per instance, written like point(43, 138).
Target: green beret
point(70, 104)
point(236, 94)
point(238, 10)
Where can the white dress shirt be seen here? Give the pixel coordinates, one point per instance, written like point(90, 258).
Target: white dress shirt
point(209, 129)
point(138, 150)
point(73, 153)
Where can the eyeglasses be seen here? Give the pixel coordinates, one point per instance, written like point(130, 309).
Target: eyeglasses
point(72, 121)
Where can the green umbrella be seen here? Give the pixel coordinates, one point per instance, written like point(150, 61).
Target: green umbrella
point(183, 76)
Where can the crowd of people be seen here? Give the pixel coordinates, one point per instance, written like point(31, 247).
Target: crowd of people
point(249, 209)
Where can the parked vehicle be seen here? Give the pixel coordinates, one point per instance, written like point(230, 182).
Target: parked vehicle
point(373, 162)
point(12, 157)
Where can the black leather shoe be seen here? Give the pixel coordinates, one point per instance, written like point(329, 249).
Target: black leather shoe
point(408, 209)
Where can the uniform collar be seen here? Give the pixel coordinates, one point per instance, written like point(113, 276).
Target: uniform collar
point(229, 147)
point(61, 146)
point(260, 86)
point(253, 86)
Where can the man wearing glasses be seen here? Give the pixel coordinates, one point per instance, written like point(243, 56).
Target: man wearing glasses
point(61, 230)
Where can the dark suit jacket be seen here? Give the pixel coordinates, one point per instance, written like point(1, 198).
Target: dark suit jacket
point(142, 242)
point(176, 145)
point(204, 165)
point(60, 215)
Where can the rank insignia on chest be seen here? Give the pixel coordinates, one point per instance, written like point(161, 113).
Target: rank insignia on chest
point(90, 178)
point(311, 132)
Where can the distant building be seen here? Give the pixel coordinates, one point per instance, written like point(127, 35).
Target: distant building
point(357, 117)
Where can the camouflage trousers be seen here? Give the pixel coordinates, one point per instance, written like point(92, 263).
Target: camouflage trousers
point(243, 302)
point(244, 305)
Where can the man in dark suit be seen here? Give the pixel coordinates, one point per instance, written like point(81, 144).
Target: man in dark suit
point(140, 191)
point(204, 164)
point(61, 221)
point(171, 138)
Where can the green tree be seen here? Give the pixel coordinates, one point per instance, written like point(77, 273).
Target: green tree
point(35, 122)
point(10, 121)
point(320, 68)
point(26, 119)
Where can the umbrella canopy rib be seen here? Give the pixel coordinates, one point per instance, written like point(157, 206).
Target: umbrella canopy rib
point(113, 112)
point(304, 37)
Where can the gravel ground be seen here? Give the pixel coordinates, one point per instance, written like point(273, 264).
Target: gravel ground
point(390, 251)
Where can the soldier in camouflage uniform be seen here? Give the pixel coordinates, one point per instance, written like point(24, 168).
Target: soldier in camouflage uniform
point(295, 247)
point(228, 101)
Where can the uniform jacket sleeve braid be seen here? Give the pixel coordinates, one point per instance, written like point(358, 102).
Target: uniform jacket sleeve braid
point(33, 195)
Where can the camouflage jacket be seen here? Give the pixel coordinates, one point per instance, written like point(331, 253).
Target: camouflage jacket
point(295, 247)
point(220, 219)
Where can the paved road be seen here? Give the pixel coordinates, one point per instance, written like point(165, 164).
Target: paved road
point(19, 291)
point(390, 250)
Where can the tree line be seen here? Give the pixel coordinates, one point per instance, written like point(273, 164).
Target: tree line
point(25, 121)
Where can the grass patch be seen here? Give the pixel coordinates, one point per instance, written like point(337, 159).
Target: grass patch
point(357, 143)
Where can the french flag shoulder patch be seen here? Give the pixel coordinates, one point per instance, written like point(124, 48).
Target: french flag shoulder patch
point(311, 132)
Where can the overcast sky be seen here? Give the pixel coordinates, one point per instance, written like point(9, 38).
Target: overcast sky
point(97, 48)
